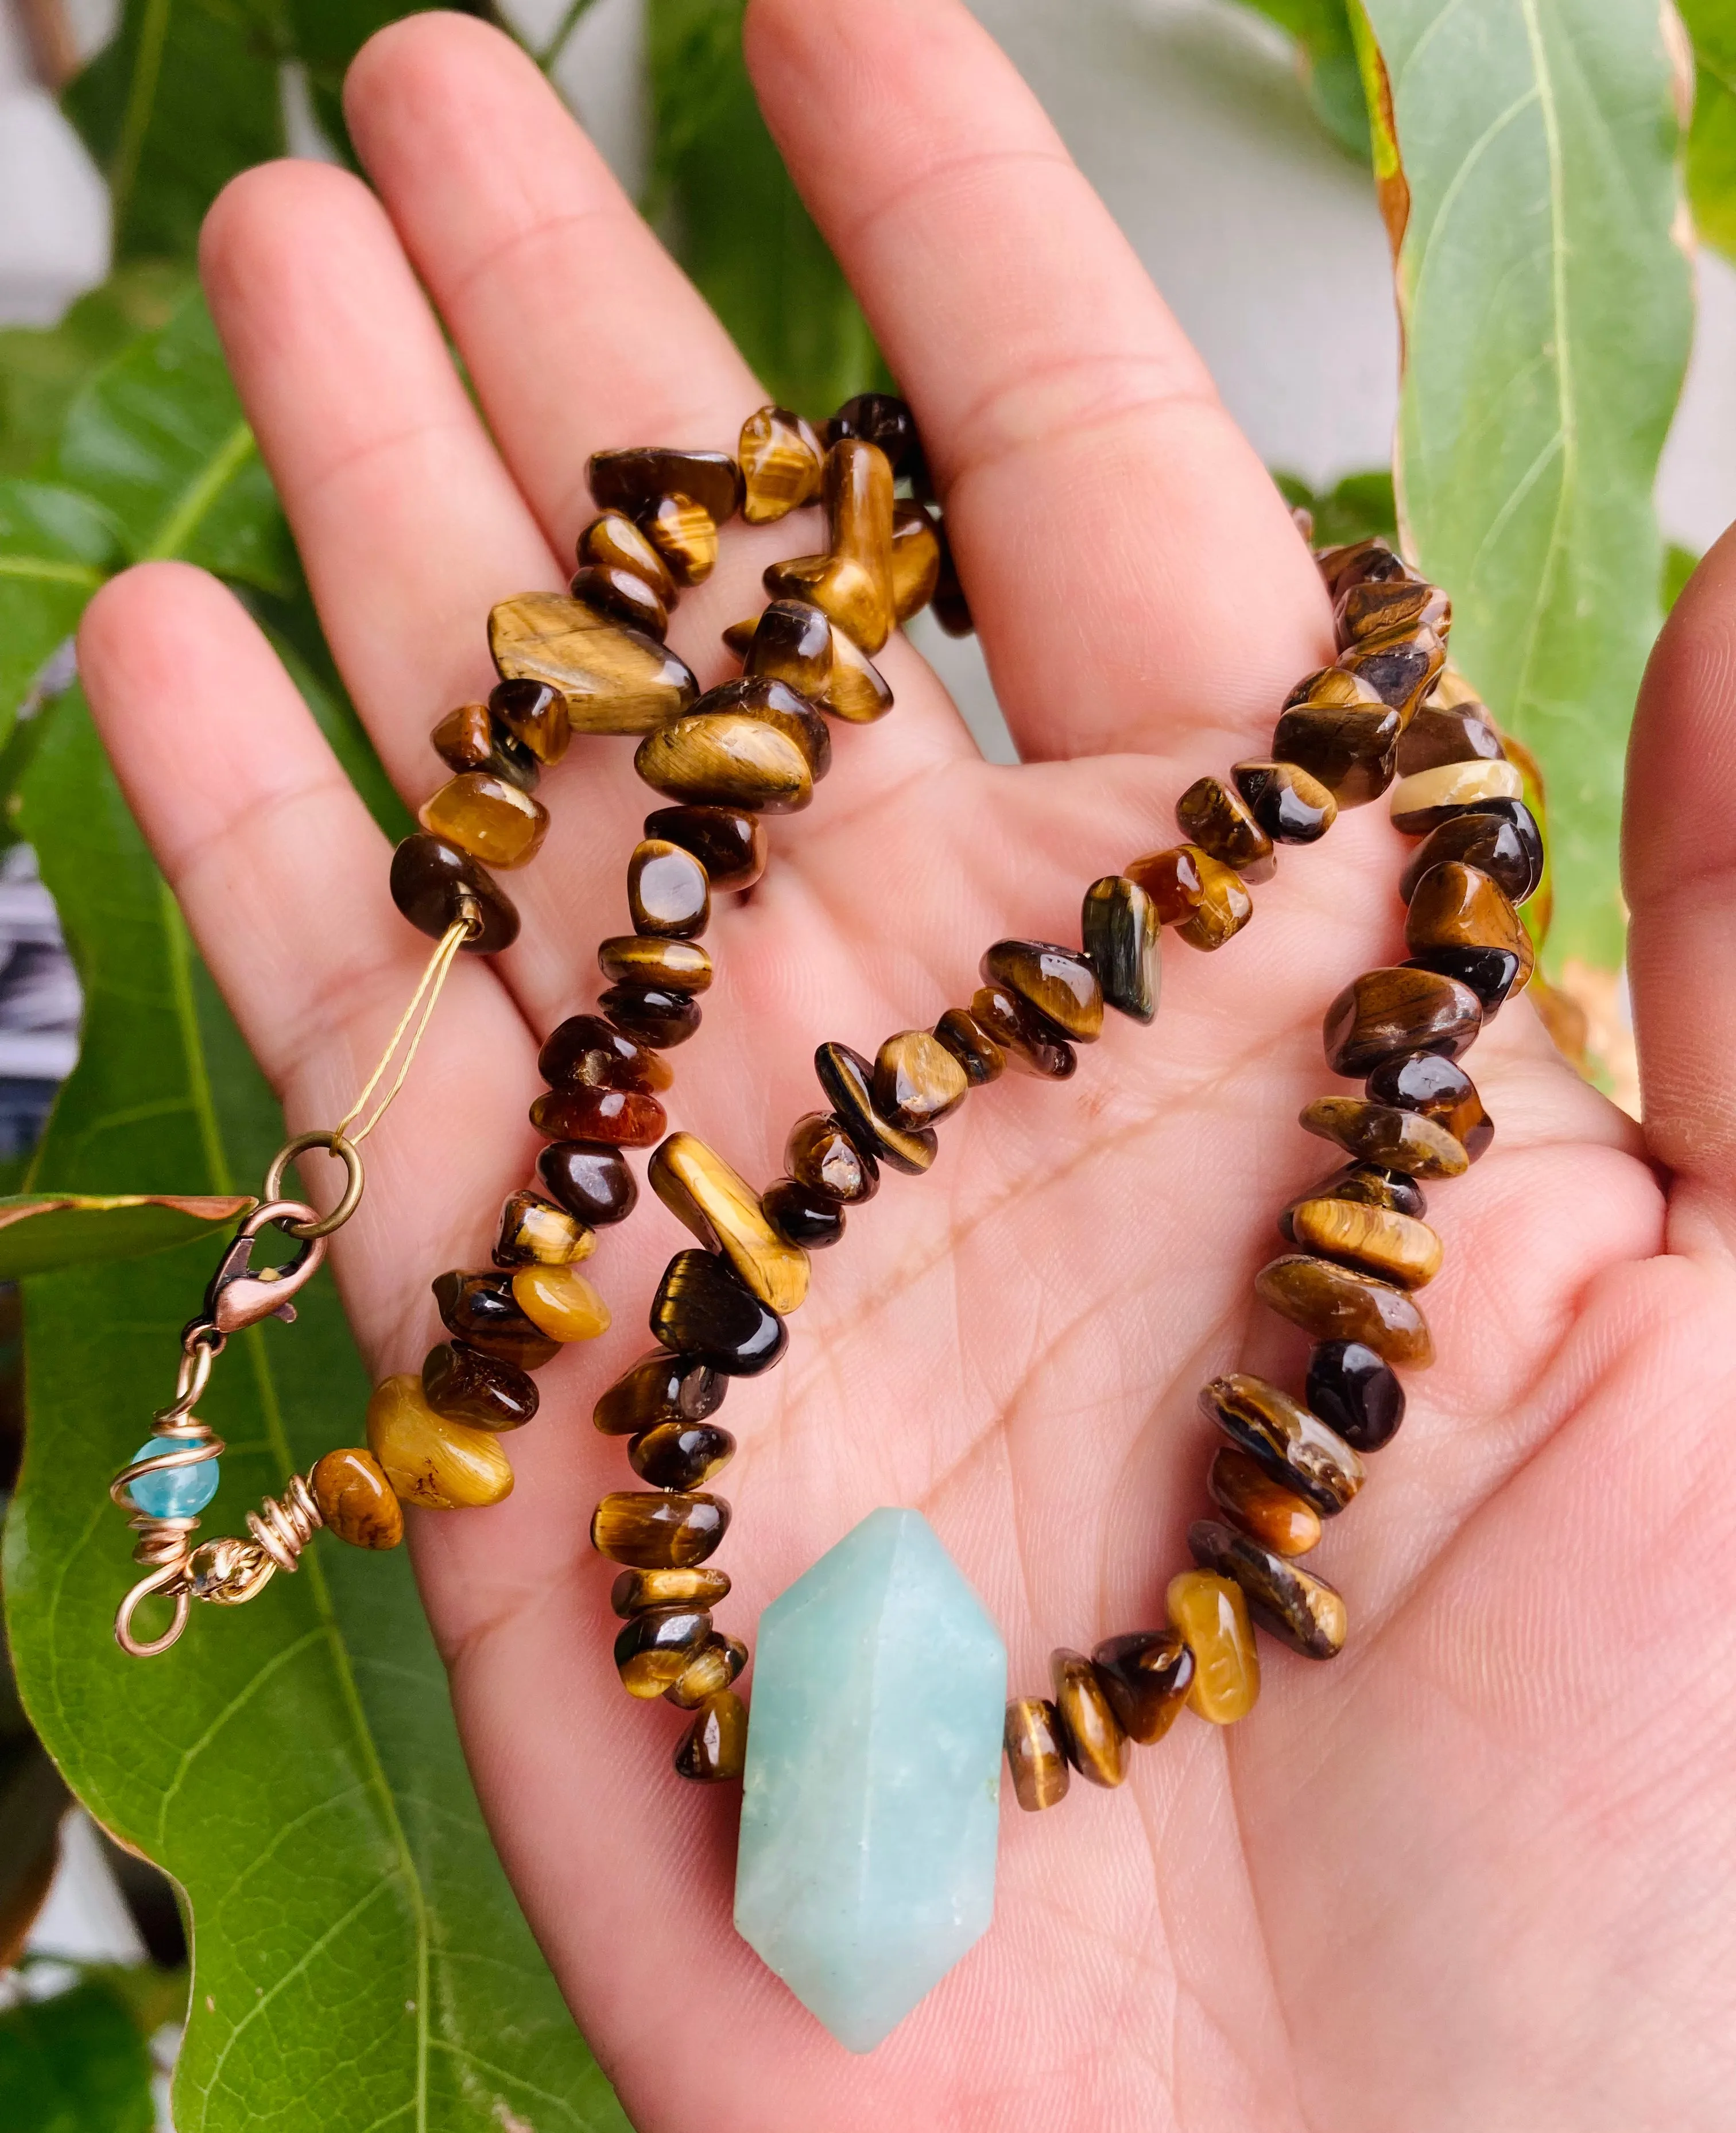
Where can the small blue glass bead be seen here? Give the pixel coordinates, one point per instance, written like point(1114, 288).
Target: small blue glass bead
point(178, 1492)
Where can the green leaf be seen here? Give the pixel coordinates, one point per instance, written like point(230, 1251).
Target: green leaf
point(1546, 312)
point(74, 2063)
point(55, 549)
point(1361, 504)
point(1680, 564)
point(40, 1232)
point(737, 224)
point(186, 95)
point(1326, 53)
point(1712, 138)
point(360, 1960)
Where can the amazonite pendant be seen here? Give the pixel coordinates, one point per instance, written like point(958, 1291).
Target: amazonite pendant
point(870, 1804)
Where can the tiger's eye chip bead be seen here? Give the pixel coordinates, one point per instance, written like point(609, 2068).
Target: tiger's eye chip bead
point(971, 1045)
point(535, 1232)
point(915, 560)
point(1334, 1302)
point(1289, 803)
point(702, 1309)
point(1359, 562)
point(591, 1180)
point(883, 419)
point(1376, 608)
point(852, 582)
point(716, 1747)
point(678, 499)
point(1368, 1186)
point(659, 1388)
point(356, 1501)
point(1119, 925)
point(660, 1529)
point(584, 1051)
point(429, 1460)
point(1400, 670)
point(1437, 735)
point(489, 818)
point(612, 542)
point(681, 1455)
point(434, 884)
point(654, 1014)
point(569, 667)
point(847, 1080)
point(1424, 801)
point(1459, 923)
point(1386, 1012)
point(715, 1667)
point(1145, 1677)
point(667, 892)
point(534, 712)
point(472, 737)
point(634, 1591)
point(1212, 1616)
point(1092, 1736)
point(728, 759)
point(1293, 1447)
point(624, 1117)
point(654, 963)
point(1057, 984)
point(623, 595)
point(1440, 1090)
point(465, 1384)
point(1386, 1137)
point(560, 1302)
point(1035, 1759)
point(791, 643)
point(917, 1081)
point(722, 1209)
point(1346, 746)
point(820, 1155)
point(1500, 837)
point(1355, 1392)
point(1396, 1247)
point(1024, 1039)
point(779, 705)
point(654, 1649)
point(728, 842)
point(1300, 1610)
point(1216, 817)
point(802, 1216)
point(783, 464)
point(1267, 1511)
point(480, 1309)
point(1201, 898)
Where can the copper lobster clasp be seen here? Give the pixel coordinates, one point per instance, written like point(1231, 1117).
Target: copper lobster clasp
point(238, 1296)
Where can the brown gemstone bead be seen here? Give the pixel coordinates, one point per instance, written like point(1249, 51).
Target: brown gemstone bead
point(1035, 1759)
point(479, 1309)
point(883, 419)
point(726, 759)
point(1438, 735)
point(1024, 1039)
point(609, 679)
point(1348, 748)
point(433, 883)
point(534, 712)
point(659, 1388)
point(1333, 688)
point(444, 1466)
point(728, 844)
point(590, 1179)
point(1119, 925)
point(917, 1081)
point(1358, 562)
point(1440, 1090)
point(1295, 1448)
point(634, 1591)
point(1502, 838)
point(586, 1052)
point(1454, 908)
point(659, 1530)
point(1353, 1391)
point(560, 1302)
point(822, 1156)
point(1299, 1609)
point(472, 737)
point(713, 1667)
point(1423, 802)
point(1369, 1187)
point(1201, 898)
point(685, 534)
point(1400, 670)
point(702, 1309)
point(653, 1650)
point(1394, 607)
point(856, 691)
point(625, 1118)
point(847, 1080)
point(791, 643)
point(1276, 1515)
point(915, 560)
point(634, 481)
point(802, 1216)
point(1292, 807)
point(623, 595)
point(1057, 983)
point(1146, 1676)
point(852, 581)
point(489, 818)
point(356, 1499)
point(1386, 1012)
point(716, 1747)
point(1091, 1735)
point(614, 542)
point(1333, 1304)
point(654, 1015)
point(971, 1045)
point(1396, 1247)
point(535, 1232)
point(1383, 1135)
point(464, 1384)
point(1215, 818)
point(722, 1209)
point(681, 1455)
point(649, 960)
point(783, 464)
point(1212, 1615)
point(776, 704)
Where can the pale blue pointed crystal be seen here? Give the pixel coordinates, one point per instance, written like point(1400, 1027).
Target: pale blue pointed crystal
point(871, 1796)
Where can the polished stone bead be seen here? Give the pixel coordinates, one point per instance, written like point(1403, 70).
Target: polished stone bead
point(715, 1747)
point(535, 1232)
point(1201, 898)
point(1438, 734)
point(1440, 1090)
point(1145, 1676)
point(1382, 1134)
point(659, 1388)
point(591, 1180)
point(1119, 926)
point(775, 703)
point(534, 712)
point(634, 1591)
point(871, 1814)
point(882, 418)
point(971, 1045)
point(584, 1051)
point(729, 843)
point(1274, 1513)
point(176, 1492)
point(726, 759)
point(791, 643)
point(1456, 907)
point(1293, 1447)
point(654, 1014)
point(1423, 802)
point(479, 1309)
point(654, 963)
point(1508, 847)
point(848, 1082)
point(487, 817)
point(1212, 1615)
point(685, 534)
point(444, 1466)
point(1214, 817)
point(1289, 803)
point(681, 1455)
point(917, 1081)
point(626, 1118)
point(915, 560)
point(1057, 983)
point(1024, 1039)
point(472, 737)
point(667, 892)
point(802, 1216)
point(610, 679)
point(356, 1499)
point(852, 581)
point(1300, 1610)
point(634, 480)
point(822, 1156)
point(1091, 1735)
point(722, 1209)
point(1333, 1304)
point(621, 594)
point(1035, 1760)
point(1358, 562)
point(1400, 670)
point(1396, 1247)
point(1369, 1185)
point(659, 1530)
point(856, 691)
point(702, 1309)
point(1393, 607)
point(1397, 1009)
point(1355, 1392)
point(465, 1384)
point(783, 464)
point(1346, 747)
point(432, 884)
point(715, 1667)
point(561, 1302)
point(613, 541)
point(654, 1649)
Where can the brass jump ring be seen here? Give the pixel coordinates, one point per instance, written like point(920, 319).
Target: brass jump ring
point(347, 1153)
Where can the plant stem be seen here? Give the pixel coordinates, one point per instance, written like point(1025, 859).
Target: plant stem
point(552, 52)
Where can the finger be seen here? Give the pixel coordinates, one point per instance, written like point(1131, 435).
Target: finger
point(1133, 572)
point(1679, 849)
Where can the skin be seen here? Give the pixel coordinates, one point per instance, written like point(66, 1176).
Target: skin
point(1477, 1873)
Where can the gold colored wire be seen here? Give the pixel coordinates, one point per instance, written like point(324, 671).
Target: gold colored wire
point(419, 1012)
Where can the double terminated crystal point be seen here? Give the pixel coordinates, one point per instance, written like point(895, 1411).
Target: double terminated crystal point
point(871, 1806)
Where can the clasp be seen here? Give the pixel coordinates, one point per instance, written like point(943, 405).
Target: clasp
point(236, 1296)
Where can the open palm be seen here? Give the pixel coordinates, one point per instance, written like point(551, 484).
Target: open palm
point(1477, 1872)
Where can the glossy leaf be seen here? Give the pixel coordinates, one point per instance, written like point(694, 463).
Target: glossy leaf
point(41, 368)
point(1326, 54)
point(1352, 509)
point(55, 549)
point(40, 1232)
point(76, 2063)
point(1712, 138)
point(1527, 160)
